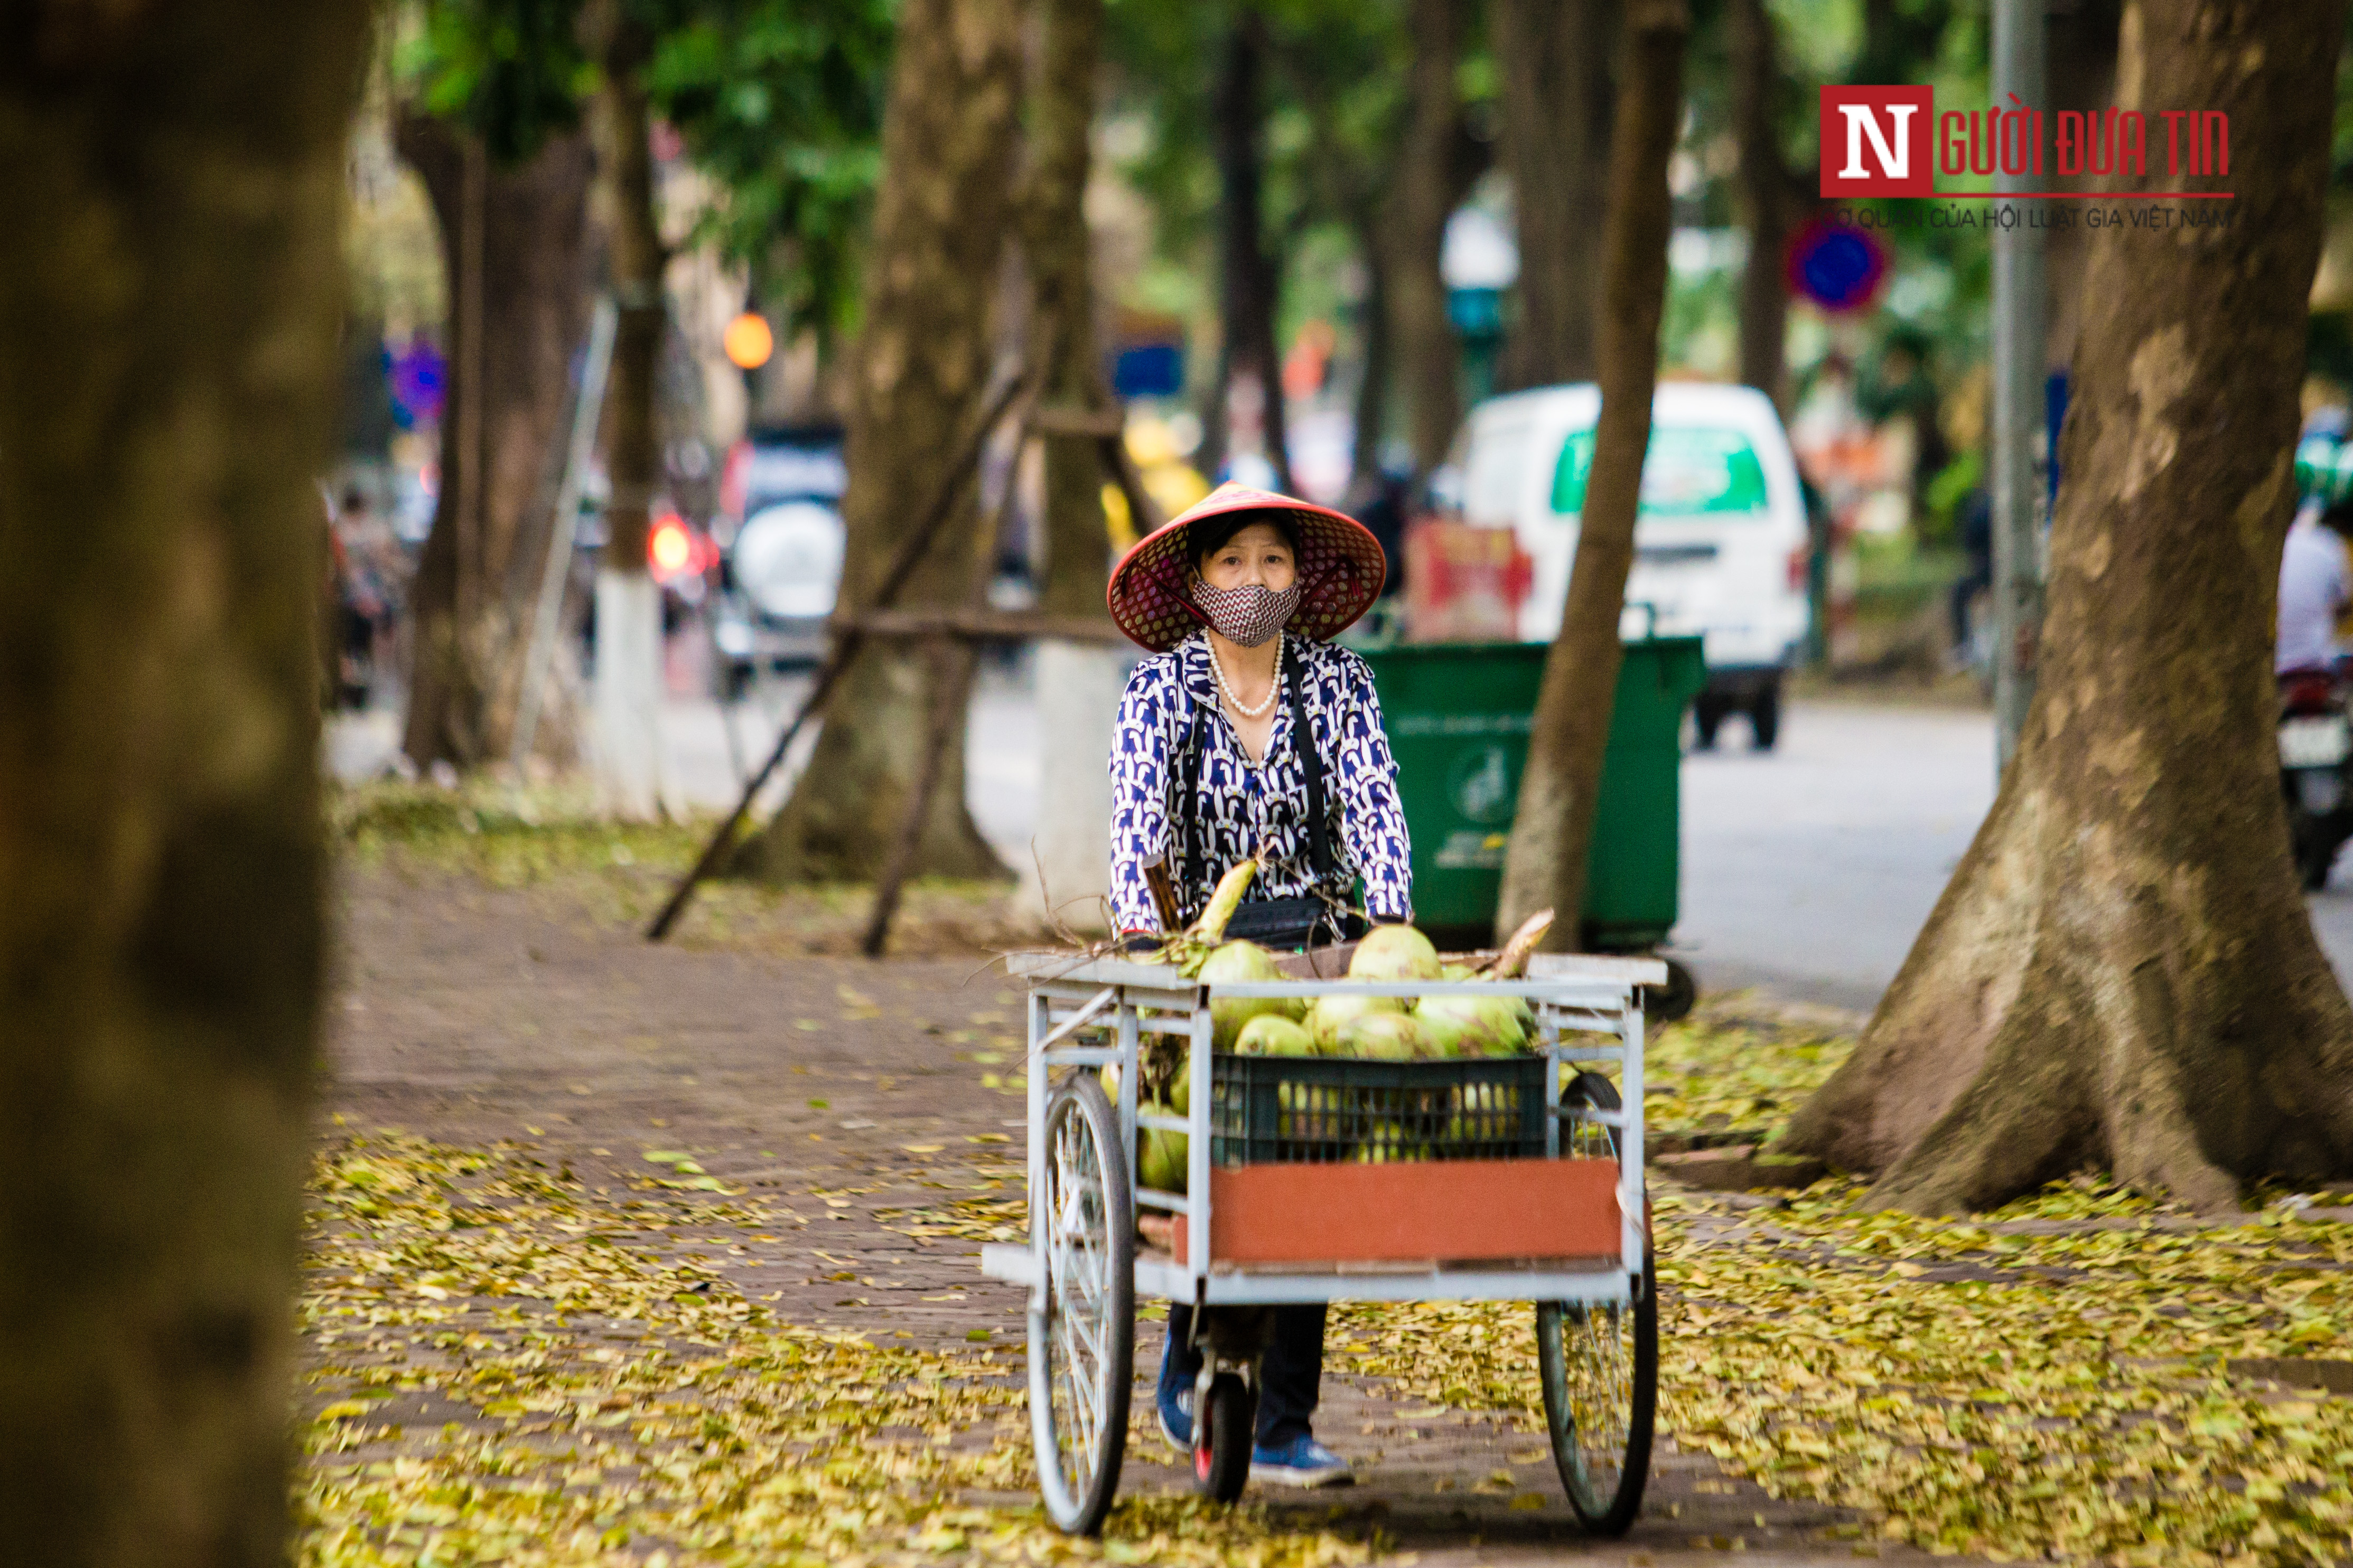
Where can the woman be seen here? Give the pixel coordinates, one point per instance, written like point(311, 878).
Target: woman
point(1249, 733)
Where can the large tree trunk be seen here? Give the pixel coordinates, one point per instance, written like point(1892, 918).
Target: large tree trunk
point(2121, 972)
point(171, 283)
point(628, 602)
point(514, 249)
point(1765, 200)
point(1373, 386)
point(931, 273)
point(1249, 280)
point(1433, 174)
point(2083, 76)
point(1552, 827)
point(1078, 683)
point(1060, 257)
point(1556, 56)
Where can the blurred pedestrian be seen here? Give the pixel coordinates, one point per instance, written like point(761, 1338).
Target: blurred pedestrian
point(370, 575)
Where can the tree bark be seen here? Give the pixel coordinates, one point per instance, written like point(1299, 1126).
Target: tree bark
point(2083, 76)
point(628, 602)
point(514, 243)
point(1552, 827)
point(1433, 174)
point(1373, 386)
point(1062, 319)
point(1078, 683)
point(2122, 971)
point(1556, 56)
point(171, 287)
point(1249, 279)
point(931, 273)
point(1764, 196)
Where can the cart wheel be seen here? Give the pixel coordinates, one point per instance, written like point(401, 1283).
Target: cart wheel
point(1582, 1140)
point(1675, 999)
point(1082, 1344)
point(1221, 1439)
point(1600, 1365)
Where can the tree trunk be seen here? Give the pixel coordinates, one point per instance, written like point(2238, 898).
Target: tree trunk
point(1078, 682)
point(932, 274)
point(1062, 319)
point(513, 244)
point(628, 602)
point(1429, 183)
point(2083, 76)
point(1249, 279)
point(1764, 187)
point(2122, 971)
point(1372, 401)
point(1552, 827)
point(171, 287)
point(1556, 57)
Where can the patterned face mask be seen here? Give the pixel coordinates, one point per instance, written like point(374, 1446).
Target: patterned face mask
point(1248, 615)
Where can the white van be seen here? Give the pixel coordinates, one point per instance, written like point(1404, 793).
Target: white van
point(1720, 544)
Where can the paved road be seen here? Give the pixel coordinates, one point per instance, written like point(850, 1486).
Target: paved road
point(1812, 869)
point(1807, 870)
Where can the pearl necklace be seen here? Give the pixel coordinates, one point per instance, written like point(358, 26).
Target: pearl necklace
point(1235, 702)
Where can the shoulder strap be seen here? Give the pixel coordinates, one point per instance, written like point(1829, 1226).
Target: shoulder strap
point(1311, 760)
point(1186, 824)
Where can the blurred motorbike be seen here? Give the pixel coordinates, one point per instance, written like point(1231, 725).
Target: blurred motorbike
point(2316, 743)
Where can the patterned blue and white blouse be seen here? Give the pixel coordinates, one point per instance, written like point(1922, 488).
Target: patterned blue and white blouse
point(1243, 804)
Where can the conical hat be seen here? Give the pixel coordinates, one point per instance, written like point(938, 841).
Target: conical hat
point(1340, 570)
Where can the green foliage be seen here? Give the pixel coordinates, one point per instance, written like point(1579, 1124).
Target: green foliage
point(508, 70)
point(781, 101)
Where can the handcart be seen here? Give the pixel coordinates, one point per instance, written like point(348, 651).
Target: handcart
point(1324, 1179)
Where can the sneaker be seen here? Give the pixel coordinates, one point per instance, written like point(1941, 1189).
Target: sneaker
point(1301, 1462)
point(1177, 1420)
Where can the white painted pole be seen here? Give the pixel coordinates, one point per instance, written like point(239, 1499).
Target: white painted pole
point(587, 409)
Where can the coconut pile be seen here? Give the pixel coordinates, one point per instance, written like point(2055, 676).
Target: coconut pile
point(1364, 1027)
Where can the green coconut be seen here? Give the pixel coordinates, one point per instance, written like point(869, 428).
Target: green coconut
point(1333, 1013)
point(1269, 1035)
point(1470, 1026)
point(1243, 961)
point(1180, 1085)
point(1383, 1038)
point(1395, 953)
point(1161, 1156)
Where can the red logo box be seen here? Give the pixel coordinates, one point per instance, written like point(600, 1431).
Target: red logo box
point(1878, 141)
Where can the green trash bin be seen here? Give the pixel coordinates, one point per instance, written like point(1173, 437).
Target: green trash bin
point(1458, 716)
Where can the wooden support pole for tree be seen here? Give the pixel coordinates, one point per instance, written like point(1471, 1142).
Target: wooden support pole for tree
point(845, 645)
point(953, 661)
point(1552, 828)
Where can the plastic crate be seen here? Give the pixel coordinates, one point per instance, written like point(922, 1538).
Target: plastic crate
point(1293, 1111)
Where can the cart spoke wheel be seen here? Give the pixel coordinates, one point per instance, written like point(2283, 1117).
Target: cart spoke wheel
point(1600, 1361)
point(1600, 1365)
point(1082, 1342)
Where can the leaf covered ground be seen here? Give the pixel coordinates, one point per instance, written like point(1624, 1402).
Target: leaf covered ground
point(552, 839)
point(587, 1392)
point(516, 1356)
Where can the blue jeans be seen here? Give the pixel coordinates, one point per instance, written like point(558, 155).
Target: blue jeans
point(1290, 1377)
